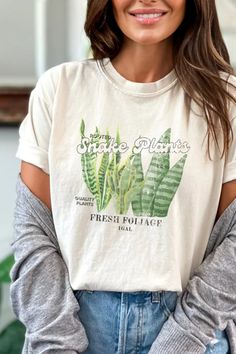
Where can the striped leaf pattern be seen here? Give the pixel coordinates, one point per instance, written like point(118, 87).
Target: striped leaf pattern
point(97, 182)
point(118, 154)
point(125, 184)
point(167, 189)
point(105, 190)
point(138, 182)
point(88, 161)
point(158, 168)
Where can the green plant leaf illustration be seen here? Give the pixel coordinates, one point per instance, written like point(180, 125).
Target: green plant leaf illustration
point(103, 177)
point(118, 154)
point(131, 195)
point(126, 182)
point(122, 183)
point(139, 181)
point(157, 170)
point(167, 188)
point(114, 172)
point(89, 162)
point(82, 128)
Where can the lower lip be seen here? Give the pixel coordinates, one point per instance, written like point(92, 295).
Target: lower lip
point(148, 21)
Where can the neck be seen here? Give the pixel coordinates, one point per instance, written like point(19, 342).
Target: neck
point(144, 63)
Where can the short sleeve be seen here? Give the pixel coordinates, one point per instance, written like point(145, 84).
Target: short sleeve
point(35, 130)
point(34, 133)
point(230, 164)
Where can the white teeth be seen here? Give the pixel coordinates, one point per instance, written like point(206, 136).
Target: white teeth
point(148, 15)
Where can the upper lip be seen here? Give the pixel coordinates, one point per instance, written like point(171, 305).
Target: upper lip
point(147, 11)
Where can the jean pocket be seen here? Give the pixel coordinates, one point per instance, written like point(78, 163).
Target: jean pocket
point(168, 301)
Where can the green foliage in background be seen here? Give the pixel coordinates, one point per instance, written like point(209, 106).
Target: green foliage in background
point(5, 267)
point(12, 337)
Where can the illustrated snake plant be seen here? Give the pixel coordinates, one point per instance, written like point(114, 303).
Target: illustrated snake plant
point(139, 180)
point(149, 195)
point(125, 185)
point(158, 168)
point(96, 177)
point(167, 189)
point(160, 183)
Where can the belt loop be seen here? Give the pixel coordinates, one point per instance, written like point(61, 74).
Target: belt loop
point(156, 296)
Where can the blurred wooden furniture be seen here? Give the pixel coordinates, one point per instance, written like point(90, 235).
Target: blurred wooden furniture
point(13, 105)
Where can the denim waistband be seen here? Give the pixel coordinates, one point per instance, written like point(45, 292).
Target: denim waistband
point(136, 296)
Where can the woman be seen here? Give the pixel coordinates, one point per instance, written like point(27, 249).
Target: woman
point(139, 148)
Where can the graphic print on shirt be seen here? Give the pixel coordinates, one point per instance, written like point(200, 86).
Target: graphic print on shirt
point(108, 178)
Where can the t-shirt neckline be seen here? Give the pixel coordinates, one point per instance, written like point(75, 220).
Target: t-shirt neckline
point(136, 88)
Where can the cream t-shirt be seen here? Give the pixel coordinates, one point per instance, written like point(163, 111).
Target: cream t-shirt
point(134, 194)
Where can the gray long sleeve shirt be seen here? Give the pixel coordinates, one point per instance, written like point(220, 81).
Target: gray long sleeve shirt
point(209, 300)
point(40, 292)
point(43, 299)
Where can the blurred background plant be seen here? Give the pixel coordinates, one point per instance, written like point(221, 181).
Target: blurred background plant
point(12, 336)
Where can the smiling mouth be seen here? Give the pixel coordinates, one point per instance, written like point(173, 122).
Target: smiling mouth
point(155, 15)
point(148, 15)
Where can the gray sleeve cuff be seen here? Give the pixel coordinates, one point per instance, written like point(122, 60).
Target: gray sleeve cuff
point(174, 339)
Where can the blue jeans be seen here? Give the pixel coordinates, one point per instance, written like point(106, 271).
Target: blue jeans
point(129, 322)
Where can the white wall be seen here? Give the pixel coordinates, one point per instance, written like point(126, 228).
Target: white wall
point(227, 15)
point(17, 41)
point(51, 23)
point(78, 43)
point(57, 15)
point(33, 38)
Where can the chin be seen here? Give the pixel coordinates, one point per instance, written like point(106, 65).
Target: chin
point(148, 41)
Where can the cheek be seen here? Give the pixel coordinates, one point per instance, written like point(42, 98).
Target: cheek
point(178, 7)
point(118, 9)
point(176, 3)
point(119, 5)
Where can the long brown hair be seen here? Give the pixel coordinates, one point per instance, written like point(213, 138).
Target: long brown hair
point(201, 59)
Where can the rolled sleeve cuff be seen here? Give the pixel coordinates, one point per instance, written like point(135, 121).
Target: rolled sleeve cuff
point(34, 155)
point(230, 172)
point(174, 339)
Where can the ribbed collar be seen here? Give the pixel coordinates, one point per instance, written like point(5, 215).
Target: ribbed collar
point(136, 88)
